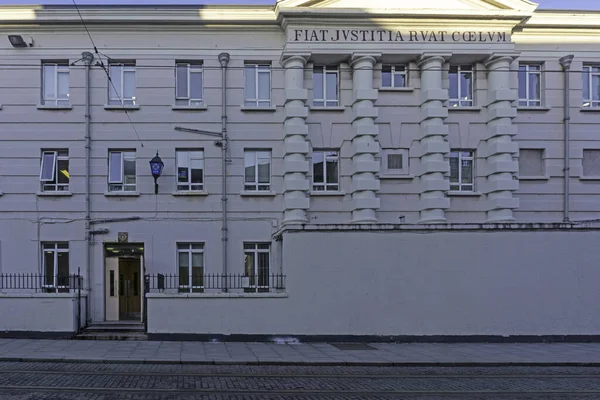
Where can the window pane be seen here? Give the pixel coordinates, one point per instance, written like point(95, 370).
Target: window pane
point(196, 85)
point(317, 159)
point(332, 87)
point(453, 84)
point(129, 85)
point(115, 173)
point(595, 87)
point(197, 260)
point(63, 264)
point(386, 76)
point(264, 89)
point(263, 269)
point(332, 170)
point(249, 166)
point(181, 78)
point(63, 85)
point(591, 162)
point(522, 82)
point(534, 87)
point(465, 86)
point(63, 171)
point(394, 161)
point(48, 160)
point(196, 172)
point(49, 267)
point(115, 78)
point(129, 170)
point(49, 84)
point(399, 80)
point(318, 83)
point(250, 75)
point(531, 162)
point(586, 84)
point(453, 169)
point(264, 170)
point(467, 171)
point(249, 265)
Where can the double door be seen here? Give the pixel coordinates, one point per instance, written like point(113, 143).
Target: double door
point(124, 288)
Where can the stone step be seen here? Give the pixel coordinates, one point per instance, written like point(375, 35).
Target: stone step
point(100, 328)
point(111, 336)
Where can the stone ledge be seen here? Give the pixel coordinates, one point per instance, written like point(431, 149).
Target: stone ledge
point(274, 295)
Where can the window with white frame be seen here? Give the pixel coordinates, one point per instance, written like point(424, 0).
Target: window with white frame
point(190, 170)
point(121, 171)
point(394, 161)
point(188, 83)
point(54, 170)
point(461, 85)
point(326, 172)
point(326, 86)
point(591, 86)
point(530, 85)
point(257, 170)
point(591, 163)
point(393, 76)
point(462, 170)
point(55, 266)
point(256, 266)
point(257, 86)
point(121, 84)
point(55, 83)
point(190, 264)
point(531, 163)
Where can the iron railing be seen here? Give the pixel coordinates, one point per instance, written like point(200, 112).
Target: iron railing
point(41, 283)
point(202, 283)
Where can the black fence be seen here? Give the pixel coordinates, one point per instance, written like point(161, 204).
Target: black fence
point(41, 283)
point(201, 283)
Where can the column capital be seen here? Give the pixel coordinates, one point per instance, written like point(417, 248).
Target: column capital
point(428, 57)
point(500, 58)
point(287, 58)
point(361, 57)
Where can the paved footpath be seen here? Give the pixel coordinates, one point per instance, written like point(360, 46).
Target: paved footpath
point(382, 354)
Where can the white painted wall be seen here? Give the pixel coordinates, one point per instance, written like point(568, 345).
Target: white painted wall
point(412, 283)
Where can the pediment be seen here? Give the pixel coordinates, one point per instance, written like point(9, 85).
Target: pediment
point(422, 5)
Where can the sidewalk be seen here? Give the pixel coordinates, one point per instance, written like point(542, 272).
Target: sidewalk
point(384, 354)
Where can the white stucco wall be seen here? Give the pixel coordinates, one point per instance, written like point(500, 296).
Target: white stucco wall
point(406, 283)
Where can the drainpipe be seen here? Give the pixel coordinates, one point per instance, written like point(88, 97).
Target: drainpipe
point(224, 60)
point(565, 62)
point(88, 58)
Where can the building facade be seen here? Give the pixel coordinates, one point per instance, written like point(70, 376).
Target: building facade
point(331, 168)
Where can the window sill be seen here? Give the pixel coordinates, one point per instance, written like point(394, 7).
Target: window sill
point(258, 194)
point(258, 109)
point(189, 108)
point(191, 193)
point(463, 194)
point(464, 108)
point(589, 109)
point(54, 194)
point(396, 89)
point(534, 178)
point(53, 107)
point(121, 194)
point(234, 295)
point(533, 108)
point(396, 176)
point(589, 178)
point(331, 109)
point(120, 107)
point(325, 193)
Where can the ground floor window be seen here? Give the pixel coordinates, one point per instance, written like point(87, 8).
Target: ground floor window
point(190, 260)
point(55, 266)
point(256, 269)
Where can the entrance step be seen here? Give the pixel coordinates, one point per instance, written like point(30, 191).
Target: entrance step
point(118, 330)
point(111, 336)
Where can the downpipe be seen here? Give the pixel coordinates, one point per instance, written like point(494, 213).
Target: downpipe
point(224, 60)
point(88, 58)
point(565, 62)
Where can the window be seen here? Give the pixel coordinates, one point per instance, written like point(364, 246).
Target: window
point(393, 76)
point(55, 83)
point(530, 90)
point(325, 86)
point(190, 264)
point(395, 161)
point(591, 163)
point(461, 85)
point(256, 266)
point(326, 170)
point(591, 86)
point(188, 83)
point(190, 170)
point(257, 170)
point(55, 266)
point(54, 171)
point(461, 170)
point(258, 85)
point(531, 163)
point(121, 171)
point(121, 85)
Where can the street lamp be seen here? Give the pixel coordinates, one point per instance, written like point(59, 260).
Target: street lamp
point(156, 167)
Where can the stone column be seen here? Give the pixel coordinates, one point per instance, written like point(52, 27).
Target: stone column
point(499, 148)
point(433, 148)
point(365, 183)
point(296, 185)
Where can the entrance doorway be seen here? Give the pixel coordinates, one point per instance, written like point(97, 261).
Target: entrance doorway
point(124, 279)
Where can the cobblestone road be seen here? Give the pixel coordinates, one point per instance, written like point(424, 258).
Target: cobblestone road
point(63, 381)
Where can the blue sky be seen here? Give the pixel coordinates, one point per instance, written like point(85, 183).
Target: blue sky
point(559, 4)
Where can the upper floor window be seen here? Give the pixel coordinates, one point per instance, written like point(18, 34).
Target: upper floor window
point(461, 85)
point(190, 170)
point(121, 85)
point(394, 162)
point(461, 170)
point(591, 86)
point(531, 163)
point(591, 163)
point(326, 170)
point(256, 266)
point(393, 76)
point(190, 264)
point(55, 266)
point(530, 91)
point(257, 85)
point(55, 83)
point(257, 170)
point(54, 170)
point(121, 171)
point(326, 86)
point(188, 83)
